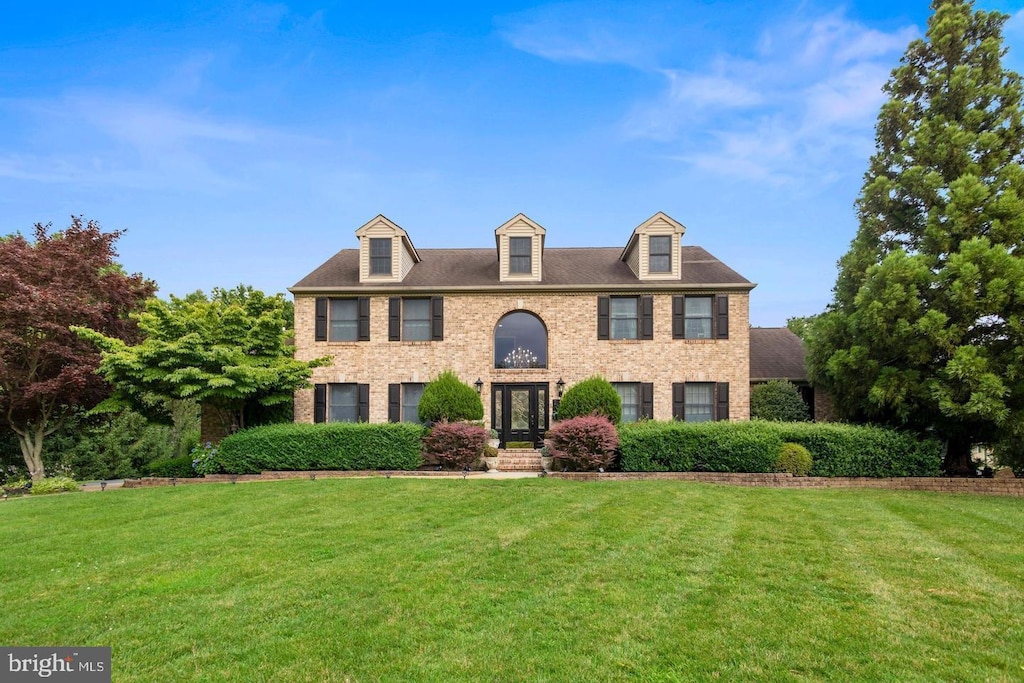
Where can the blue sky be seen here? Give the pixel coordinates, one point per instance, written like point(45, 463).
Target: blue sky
point(245, 142)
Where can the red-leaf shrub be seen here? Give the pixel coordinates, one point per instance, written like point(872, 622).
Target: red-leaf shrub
point(456, 445)
point(588, 441)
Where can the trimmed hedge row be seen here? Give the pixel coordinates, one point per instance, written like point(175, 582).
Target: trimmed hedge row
point(180, 467)
point(839, 450)
point(331, 446)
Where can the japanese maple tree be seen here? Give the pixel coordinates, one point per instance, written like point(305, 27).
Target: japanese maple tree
point(47, 285)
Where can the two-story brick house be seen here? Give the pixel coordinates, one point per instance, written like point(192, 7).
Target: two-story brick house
point(667, 324)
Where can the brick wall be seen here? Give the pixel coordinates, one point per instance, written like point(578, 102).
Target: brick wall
point(574, 352)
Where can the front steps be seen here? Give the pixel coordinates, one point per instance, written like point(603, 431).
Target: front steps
point(519, 460)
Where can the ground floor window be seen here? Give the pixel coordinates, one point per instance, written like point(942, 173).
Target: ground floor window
point(411, 394)
point(629, 393)
point(343, 403)
point(700, 401)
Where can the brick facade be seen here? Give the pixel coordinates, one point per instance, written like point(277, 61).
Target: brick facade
point(574, 351)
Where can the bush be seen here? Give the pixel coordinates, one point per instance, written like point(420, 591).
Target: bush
point(450, 399)
point(204, 459)
point(651, 446)
point(778, 400)
point(456, 445)
point(180, 467)
point(588, 441)
point(331, 446)
point(593, 396)
point(837, 450)
point(54, 485)
point(795, 459)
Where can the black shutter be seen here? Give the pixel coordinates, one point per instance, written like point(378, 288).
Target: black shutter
point(395, 318)
point(394, 403)
point(364, 402)
point(722, 403)
point(647, 400)
point(603, 317)
point(722, 307)
point(678, 401)
point(364, 318)
point(321, 319)
point(437, 318)
point(319, 403)
point(679, 317)
point(647, 317)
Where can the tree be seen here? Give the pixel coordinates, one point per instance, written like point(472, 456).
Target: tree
point(228, 352)
point(47, 286)
point(778, 400)
point(801, 325)
point(926, 328)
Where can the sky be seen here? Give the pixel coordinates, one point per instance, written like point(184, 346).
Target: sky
point(245, 142)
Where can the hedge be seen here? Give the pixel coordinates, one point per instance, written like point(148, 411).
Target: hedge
point(649, 446)
point(331, 446)
point(180, 467)
point(839, 450)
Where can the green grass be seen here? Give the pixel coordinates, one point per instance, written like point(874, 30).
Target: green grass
point(520, 580)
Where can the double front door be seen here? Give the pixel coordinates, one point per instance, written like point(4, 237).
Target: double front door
point(519, 412)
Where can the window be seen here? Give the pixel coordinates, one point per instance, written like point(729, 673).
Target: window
point(380, 256)
point(698, 317)
point(623, 317)
point(339, 320)
point(341, 403)
point(660, 254)
point(520, 254)
point(404, 402)
point(699, 401)
point(520, 341)
point(629, 393)
point(344, 320)
point(416, 319)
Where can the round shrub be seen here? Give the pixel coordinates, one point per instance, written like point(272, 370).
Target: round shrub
point(588, 441)
point(593, 396)
point(448, 398)
point(795, 459)
point(779, 401)
point(456, 445)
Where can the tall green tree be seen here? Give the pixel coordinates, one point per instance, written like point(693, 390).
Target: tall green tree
point(47, 286)
point(926, 329)
point(228, 351)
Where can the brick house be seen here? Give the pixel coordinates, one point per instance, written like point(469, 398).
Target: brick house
point(667, 324)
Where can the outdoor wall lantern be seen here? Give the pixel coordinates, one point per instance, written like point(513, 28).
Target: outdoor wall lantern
point(479, 384)
point(561, 386)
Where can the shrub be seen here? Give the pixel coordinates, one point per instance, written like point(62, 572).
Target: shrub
point(588, 441)
point(456, 445)
point(331, 446)
point(652, 446)
point(180, 467)
point(778, 400)
point(593, 396)
point(54, 485)
point(448, 398)
point(795, 459)
point(843, 450)
point(204, 459)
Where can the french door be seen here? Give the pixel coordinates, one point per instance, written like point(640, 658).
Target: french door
point(519, 412)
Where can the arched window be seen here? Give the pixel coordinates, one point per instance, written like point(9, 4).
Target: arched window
point(520, 341)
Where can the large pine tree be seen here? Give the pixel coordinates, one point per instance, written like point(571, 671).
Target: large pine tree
point(926, 329)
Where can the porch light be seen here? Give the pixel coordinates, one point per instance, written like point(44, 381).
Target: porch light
point(561, 386)
point(479, 384)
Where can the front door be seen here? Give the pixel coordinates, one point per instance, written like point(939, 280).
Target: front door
point(519, 413)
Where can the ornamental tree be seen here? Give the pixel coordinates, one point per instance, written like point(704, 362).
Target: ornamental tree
point(926, 329)
point(228, 352)
point(48, 285)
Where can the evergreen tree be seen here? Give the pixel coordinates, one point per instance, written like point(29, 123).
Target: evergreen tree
point(926, 329)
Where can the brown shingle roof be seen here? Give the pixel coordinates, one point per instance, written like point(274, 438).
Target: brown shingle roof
point(776, 353)
point(563, 267)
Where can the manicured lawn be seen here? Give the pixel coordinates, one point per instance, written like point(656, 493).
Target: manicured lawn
point(524, 580)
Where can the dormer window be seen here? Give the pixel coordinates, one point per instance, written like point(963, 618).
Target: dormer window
point(520, 255)
point(660, 253)
point(380, 256)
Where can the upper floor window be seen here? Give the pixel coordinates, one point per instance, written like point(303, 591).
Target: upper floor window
point(520, 341)
point(520, 254)
point(342, 319)
point(416, 319)
point(698, 317)
point(380, 256)
point(660, 254)
point(624, 317)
